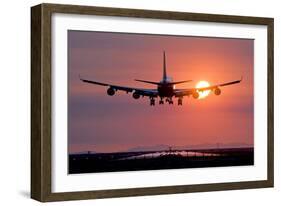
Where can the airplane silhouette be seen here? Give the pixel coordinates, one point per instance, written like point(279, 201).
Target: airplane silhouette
point(165, 88)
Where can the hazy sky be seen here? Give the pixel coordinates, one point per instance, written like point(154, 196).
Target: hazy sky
point(103, 123)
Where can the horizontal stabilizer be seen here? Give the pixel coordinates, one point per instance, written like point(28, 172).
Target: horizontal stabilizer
point(149, 82)
point(180, 82)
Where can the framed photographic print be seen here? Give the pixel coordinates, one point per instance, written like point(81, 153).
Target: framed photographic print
point(132, 102)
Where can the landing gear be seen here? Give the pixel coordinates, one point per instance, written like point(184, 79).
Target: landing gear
point(152, 102)
point(180, 101)
point(169, 100)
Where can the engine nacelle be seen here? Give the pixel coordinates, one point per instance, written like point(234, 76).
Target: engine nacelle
point(217, 91)
point(195, 95)
point(110, 91)
point(136, 95)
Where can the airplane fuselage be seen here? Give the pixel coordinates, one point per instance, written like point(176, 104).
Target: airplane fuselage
point(165, 87)
point(165, 90)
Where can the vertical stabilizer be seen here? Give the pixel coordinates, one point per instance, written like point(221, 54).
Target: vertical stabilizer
point(164, 66)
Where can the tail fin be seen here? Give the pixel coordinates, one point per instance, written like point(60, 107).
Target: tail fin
point(164, 66)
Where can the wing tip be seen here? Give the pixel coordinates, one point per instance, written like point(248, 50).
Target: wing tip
point(81, 79)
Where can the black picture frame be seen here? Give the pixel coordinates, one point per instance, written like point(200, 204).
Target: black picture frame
point(41, 116)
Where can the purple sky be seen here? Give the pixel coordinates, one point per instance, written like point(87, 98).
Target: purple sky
point(102, 123)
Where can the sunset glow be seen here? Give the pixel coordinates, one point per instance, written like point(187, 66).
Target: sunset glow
point(98, 122)
point(203, 84)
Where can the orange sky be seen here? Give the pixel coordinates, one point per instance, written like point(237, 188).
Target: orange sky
point(102, 123)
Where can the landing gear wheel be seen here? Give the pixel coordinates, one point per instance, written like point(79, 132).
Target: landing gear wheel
point(152, 102)
point(161, 102)
point(179, 101)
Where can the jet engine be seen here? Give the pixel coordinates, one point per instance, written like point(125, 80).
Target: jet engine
point(110, 91)
point(136, 95)
point(195, 95)
point(217, 91)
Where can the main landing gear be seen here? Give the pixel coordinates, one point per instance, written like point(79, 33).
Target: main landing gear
point(161, 101)
point(180, 101)
point(168, 100)
point(152, 102)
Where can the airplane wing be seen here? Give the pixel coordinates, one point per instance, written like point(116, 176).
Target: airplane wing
point(190, 91)
point(139, 91)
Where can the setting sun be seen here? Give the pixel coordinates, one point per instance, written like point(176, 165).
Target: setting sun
point(203, 84)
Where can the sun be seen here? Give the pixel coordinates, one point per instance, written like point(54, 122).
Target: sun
point(202, 84)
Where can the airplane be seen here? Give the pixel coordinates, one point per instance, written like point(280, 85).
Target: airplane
point(165, 88)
